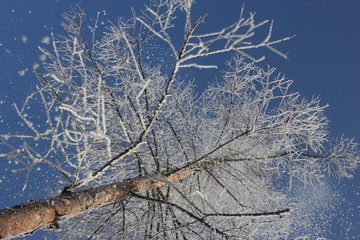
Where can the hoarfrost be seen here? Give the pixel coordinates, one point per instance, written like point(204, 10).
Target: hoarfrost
point(100, 131)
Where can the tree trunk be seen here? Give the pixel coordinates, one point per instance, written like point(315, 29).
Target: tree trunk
point(27, 218)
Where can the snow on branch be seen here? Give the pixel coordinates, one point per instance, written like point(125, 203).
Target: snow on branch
point(184, 163)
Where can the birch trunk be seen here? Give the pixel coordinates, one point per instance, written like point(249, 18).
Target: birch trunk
point(27, 218)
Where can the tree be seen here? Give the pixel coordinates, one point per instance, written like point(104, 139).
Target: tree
point(142, 156)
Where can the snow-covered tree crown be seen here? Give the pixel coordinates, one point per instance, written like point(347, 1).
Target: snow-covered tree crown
point(115, 110)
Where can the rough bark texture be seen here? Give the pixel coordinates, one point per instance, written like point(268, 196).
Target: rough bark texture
point(25, 219)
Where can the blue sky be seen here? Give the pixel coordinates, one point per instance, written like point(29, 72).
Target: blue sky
point(324, 61)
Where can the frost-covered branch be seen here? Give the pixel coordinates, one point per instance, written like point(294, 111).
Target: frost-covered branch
point(120, 111)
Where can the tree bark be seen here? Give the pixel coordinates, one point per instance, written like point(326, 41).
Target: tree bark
point(27, 218)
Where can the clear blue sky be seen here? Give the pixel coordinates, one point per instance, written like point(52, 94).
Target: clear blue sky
point(325, 61)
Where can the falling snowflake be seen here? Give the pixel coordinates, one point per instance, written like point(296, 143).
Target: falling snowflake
point(22, 72)
point(35, 66)
point(45, 40)
point(42, 57)
point(24, 39)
